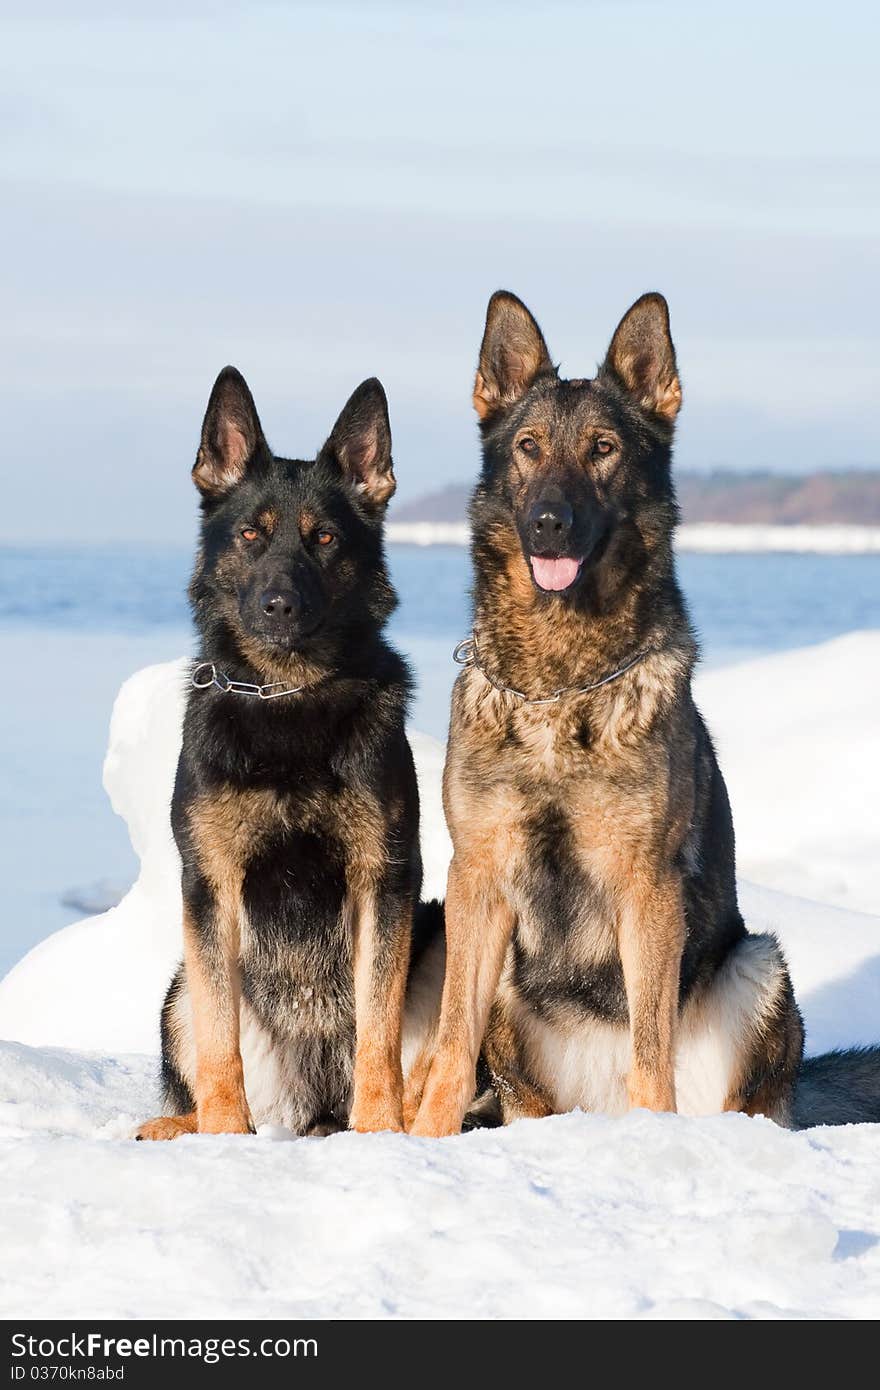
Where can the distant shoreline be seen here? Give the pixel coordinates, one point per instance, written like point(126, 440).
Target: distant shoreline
point(722, 538)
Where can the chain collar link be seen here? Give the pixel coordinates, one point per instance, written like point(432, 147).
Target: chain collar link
point(222, 682)
point(467, 654)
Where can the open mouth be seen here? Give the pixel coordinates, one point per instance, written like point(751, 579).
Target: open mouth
point(554, 575)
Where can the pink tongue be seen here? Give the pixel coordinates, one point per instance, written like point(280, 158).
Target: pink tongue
point(554, 574)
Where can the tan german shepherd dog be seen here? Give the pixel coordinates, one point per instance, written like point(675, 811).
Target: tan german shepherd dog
point(595, 950)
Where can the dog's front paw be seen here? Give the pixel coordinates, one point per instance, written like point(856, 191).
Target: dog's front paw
point(377, 1098)
point(449, 1090)
point(411, 1102)
point(373, 1114)
point(414, 1088)
point(225, 1114)
point(438, 1117)
point(167, 1127)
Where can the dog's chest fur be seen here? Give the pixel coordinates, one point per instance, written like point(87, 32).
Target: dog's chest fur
point(568, 808)
point(289, 860)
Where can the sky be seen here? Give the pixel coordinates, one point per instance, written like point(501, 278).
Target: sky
point(321, 193)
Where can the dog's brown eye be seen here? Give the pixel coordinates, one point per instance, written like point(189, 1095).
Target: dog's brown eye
point(249, 533)
point(326, 538)
point(604, 446)
point(528, 446)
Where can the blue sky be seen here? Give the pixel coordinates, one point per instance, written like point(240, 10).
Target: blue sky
point(323, 193)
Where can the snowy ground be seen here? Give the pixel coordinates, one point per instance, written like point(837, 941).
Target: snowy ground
point(645, 1216)
point(575, 1216)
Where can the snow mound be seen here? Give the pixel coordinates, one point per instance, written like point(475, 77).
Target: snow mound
point(98, 984)
point(798, 739)
point(576, 1216)
point(91, 898)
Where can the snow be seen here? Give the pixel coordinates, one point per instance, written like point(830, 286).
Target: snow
point(798, 739)
point(716, 536)
point(91, 898)
point(645, 1216)
point(739, 537)
point(576, 1216)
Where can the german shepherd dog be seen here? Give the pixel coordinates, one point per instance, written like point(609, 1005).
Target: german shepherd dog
point(295, 808)
point(595, 949)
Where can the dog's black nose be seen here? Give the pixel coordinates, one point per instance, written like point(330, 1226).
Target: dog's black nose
point(279, 603)
point(549, 523)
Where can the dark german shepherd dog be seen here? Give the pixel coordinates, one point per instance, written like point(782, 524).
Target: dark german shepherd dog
point(295, 808)
point(595, 947)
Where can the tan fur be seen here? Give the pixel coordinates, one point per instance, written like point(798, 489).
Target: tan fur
point(519, 1096)
point(214, 981)
point(667, 401)
point(226, 829)
point(771, 1026)
point(364, 458)
point(616, 796)
point(484, 397)
point(651, 939)
point(586, 1062)
point(216, 471)
point(168, 1127)
point(479, 923)
point(379, 487)
point(292, 669)
point(379, 988)
point(643, 357)
point(363, 819)
point(664, 399)
point(415, 1077)
point(511, 355)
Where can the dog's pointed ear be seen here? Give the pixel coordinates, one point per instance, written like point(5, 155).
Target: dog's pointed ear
point(642, 358)
point(512, 355)
point(231, 436)
point(360, 443)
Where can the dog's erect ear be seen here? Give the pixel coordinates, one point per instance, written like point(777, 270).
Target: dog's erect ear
point(512, 354)
point(231, 436)
point(360, 443)
point(642, 357)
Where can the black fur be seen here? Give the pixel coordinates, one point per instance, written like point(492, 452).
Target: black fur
point(839, 1088)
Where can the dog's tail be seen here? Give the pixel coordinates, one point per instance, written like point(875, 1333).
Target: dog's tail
point(838, 1088)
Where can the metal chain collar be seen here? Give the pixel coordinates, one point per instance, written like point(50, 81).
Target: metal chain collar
point(229, 687)
point(466, 654)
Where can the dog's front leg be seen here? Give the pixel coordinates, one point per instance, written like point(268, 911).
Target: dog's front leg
point(650, 942)
point(382, 926)
point(479, 923)
point(213, 973)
